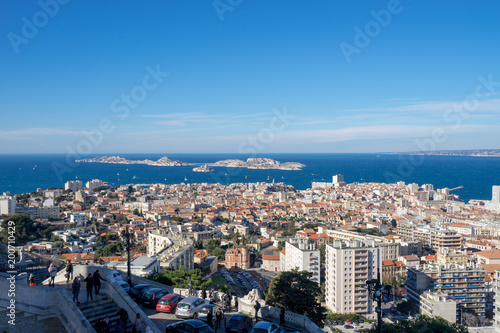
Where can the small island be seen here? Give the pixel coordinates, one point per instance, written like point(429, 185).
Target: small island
point(203, 168)
point(260, 163)
point(164, 161)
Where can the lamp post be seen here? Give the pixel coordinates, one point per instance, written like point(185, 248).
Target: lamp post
point(126, 233)
point(378, 293)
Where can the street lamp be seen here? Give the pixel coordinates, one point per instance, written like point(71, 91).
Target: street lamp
point(379, 293)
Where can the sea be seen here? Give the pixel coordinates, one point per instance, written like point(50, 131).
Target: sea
point(25, 173)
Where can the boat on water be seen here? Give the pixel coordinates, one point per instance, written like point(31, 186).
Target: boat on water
point(185, 179)
point(203, 168)
point(134, 177)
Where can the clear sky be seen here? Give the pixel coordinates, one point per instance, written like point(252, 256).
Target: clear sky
point(248, 75)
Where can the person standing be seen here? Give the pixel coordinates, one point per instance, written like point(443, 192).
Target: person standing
point(138, 323)
point(69, 271)
point(203, 293)
point(218, 318)
point(97, 282)
point(90, 285)
point(282, 316)
point(210, 319)
point(32, 281)
point(256, 308)
point(75, 287)
point(52, 275)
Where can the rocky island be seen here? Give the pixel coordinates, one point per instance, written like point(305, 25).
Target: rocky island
point(260, 163)
point(164, 161)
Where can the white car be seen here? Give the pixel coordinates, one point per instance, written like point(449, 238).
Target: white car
point(124, 285)
point(117, 276)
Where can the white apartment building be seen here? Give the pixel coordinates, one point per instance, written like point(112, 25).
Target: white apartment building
point(8, 205)
point(348, 266)
point(94, 183)
point(494, 204)
point(73, 185)
point(302, 255)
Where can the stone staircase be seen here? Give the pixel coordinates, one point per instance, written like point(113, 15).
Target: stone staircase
point(101, 307)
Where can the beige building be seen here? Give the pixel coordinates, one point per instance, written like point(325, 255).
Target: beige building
point(239, 257)
point(348, 266)
point(429, 236)
point(436, 304)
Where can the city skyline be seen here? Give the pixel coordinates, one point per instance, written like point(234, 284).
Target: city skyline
point(223, 76)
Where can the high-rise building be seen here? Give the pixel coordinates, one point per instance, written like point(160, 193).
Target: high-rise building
point(300, 254)
point(94, 183)
point(73, 185)
point(8, 205)
point(349, 265)
point(464, 284)
point(494, 204)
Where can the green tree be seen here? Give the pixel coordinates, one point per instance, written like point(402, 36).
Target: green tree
point(296, 292)
point(423, 324)
point(281, 245)
point(24, 229)
point(180, 278)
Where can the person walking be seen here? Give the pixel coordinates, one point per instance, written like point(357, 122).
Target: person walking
point(218, 318)
point(210, 319)
point(69, 271)
point(203, 293)
point(282, 316)
point(123, 316)
point(138, 324)
point(75, 287)
point(90, 285)
point(97, 282)
point(256, 308)
point(52, 275)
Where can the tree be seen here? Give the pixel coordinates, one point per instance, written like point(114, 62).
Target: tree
point(24, 229)
point(281, 245)
point(180, 278)
point(296, 292)
point(423, 324)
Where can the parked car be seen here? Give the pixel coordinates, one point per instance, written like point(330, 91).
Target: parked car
point(124, 285)
point(288, 329)
point(348, 326)
point(168, 303)
point(189, 307)
point(139, 289)
point(117, 275)
point(189, 326)
point(265, 327)
point(152, 296)
point(239, 323)
point(205, 309)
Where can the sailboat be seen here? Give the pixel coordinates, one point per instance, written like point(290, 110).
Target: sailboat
point(267, 177)
point(134, 177)
point(185, 179)
point(117, 173)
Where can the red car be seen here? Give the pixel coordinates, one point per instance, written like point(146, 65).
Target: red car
point(168, 303)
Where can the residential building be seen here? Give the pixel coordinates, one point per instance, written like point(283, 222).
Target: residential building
point(238, 257)
point(491, 256)
point(73, 185)
point(94, 183)
point(430, 237)
point(348, 266)
point(436, 304)
point(7, 205)
point(463, 283)
point(271, 263)
point(302, 255)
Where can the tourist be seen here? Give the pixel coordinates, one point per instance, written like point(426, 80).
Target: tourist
point(282, 316)
point(203, 293)
point(31, 280)
point(75, 287)
point(97, 282)
point(256, 308)
point(138, 324)
point(210, 318)
point(69, 271)
point(107, 324)
point(90, 285)
point(52, 275)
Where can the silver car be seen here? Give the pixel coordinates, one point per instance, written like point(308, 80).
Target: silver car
point(189, 307)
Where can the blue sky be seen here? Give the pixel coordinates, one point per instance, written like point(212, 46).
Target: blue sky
point(234, 76)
